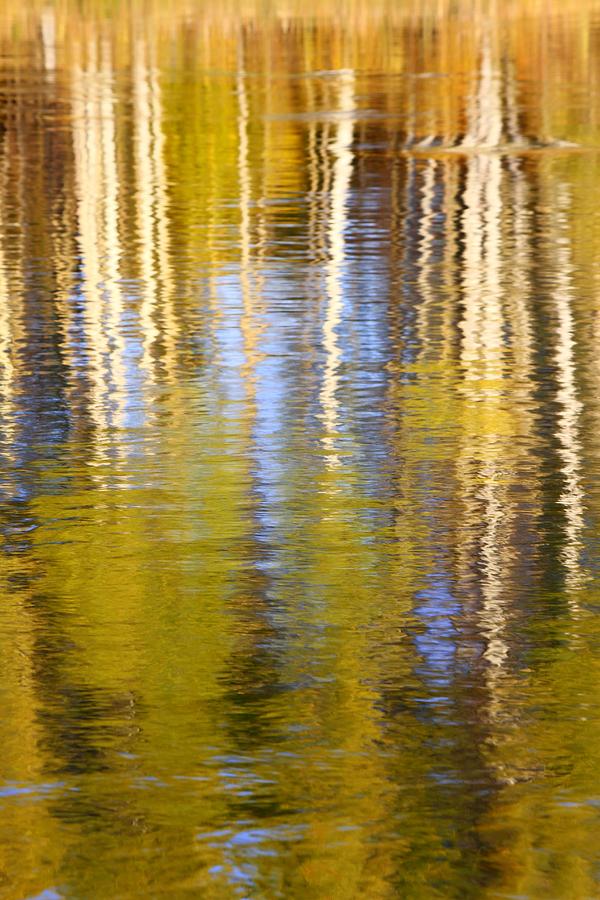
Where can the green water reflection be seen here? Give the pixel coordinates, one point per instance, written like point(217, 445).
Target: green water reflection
point(300, 405)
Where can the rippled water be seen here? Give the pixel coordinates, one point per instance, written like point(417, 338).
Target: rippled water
point(300, 450)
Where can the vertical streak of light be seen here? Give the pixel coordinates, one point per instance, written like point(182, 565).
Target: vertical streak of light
point(518, 294)
point(261, 223)
point(315, 244)
point(48, 30)
point(157, 317)
point(450, 182)
point(481, 358)
point(161, 219)
point(426, 260)
point(7, 367)
point(98, 190)
point(112, 248)
point(482, 321)
point(317, 177)
point(144, 153)
point(572, 496)
point(215, 308)
point(521, 256)
point(485, 114)
point(247, 324)
point(341, 150)
point(481, 355)
point(63, 241)
point(521, 265)
point(87, 147)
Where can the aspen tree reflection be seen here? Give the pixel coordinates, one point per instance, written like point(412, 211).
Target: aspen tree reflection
point(299, 495)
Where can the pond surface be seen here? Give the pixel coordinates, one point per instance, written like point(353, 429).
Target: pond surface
point(300, 450)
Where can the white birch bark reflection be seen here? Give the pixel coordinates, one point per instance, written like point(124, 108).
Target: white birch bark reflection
point(98, 193)
point(341, 151)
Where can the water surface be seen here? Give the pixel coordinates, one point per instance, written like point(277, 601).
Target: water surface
point(300, 455)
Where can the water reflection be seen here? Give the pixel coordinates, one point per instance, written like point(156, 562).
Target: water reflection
point(339, 182)
point(299, 507)
point(98, 195)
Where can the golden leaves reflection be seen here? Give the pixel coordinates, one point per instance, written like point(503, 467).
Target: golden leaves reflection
point(298, 499)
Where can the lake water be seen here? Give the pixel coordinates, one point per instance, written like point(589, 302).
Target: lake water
point(300, 449)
